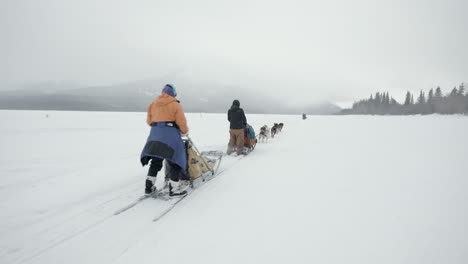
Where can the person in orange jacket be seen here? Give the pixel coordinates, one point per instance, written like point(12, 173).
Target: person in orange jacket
point(167, 120)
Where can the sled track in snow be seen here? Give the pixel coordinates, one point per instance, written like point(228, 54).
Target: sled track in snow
point(168, 210)
point(63, 240)
point(77, 232)
point(174, 200)
point(94, 208)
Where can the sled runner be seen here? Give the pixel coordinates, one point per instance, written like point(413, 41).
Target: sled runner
point(201, 167)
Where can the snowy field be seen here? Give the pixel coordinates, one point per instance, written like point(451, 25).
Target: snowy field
point(329, 189)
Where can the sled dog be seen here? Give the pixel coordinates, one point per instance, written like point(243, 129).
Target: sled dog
point(264, 134)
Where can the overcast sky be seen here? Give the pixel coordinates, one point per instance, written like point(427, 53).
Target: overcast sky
point(336, 49)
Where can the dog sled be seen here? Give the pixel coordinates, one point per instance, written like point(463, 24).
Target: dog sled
point(200, 165)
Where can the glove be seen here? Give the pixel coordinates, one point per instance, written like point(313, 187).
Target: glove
point(184, 135)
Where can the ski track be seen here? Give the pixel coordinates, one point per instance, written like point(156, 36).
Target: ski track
point(92, 198)
point(82, 217)
point(96, 209)
point(73, 229)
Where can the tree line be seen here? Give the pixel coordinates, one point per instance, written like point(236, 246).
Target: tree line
point(434, 101)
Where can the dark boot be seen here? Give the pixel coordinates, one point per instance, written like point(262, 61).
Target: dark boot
point(175, 190)
point(149, 185)
point(155, 167)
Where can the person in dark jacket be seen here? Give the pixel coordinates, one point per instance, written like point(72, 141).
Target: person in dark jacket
point(238, 121)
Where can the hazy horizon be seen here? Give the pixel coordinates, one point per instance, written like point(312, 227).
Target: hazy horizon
point(336, 51)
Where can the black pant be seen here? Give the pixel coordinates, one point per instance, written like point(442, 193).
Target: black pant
point(173, 171)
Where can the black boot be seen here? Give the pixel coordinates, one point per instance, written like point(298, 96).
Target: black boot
point(155, 167)
point(174, 189)
point(149, 186)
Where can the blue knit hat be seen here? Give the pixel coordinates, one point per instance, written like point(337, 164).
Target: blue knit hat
point(170, 90)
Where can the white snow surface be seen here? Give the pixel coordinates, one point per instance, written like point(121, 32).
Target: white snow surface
point(329, 189)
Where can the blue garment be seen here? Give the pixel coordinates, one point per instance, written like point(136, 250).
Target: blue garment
point(250, 131)
point(164, 142)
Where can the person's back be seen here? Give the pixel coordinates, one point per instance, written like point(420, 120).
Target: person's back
point(236, 116)
point(167, 120)
point(166, 108)
point(238, 121)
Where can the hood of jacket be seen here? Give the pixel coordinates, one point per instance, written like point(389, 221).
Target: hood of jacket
point(235, 104)
point(164, 99)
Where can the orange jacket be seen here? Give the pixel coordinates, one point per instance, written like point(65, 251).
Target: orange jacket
point(167, 108)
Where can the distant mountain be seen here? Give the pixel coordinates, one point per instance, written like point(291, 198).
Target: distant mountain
point(136, 96)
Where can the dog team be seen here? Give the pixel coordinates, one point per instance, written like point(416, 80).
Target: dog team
point(266, 133)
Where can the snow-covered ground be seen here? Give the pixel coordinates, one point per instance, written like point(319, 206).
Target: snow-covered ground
point(329, 189)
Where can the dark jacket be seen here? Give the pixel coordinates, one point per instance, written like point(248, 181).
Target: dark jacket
point(236, 117)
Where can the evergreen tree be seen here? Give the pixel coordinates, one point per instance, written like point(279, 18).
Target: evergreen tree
point(466, 103)
point(438, 92)
point(430, 101)
point(435, 102)
point(459, 101)
point(421, 107)
point(378, 99)
point(421, 98)
point(387, 99)
point(454, 92)
point(430, 95)
point(408, 98)
point(461, 90)
point(438, 101)
point(450, 103)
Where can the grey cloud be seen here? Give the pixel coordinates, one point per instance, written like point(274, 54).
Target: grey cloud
point(316, 49)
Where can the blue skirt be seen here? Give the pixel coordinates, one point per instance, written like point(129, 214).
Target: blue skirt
point(164, 142)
